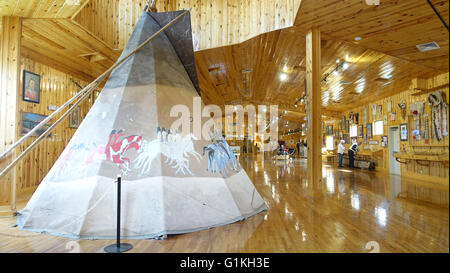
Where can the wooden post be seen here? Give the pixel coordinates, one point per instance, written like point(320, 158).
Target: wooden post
point(9, 99)
point(314, 102)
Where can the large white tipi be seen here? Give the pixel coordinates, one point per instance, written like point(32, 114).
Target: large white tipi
point(171, 183)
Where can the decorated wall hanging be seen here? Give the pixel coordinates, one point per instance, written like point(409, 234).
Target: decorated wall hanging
point(380, 111)
point(416, 109)
point(402, 107)
point(374, 111)
point(364, 115)
point(436, 100)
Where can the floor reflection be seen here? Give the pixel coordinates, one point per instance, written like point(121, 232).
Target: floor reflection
point(350, 209)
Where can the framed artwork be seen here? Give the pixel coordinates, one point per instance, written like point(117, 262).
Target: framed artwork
point(346, 137)
point(75, 117)
point(369, 131)
point(360, 131)
point(404, 132)
point(29, 121)
point(31, 90)
point(329, 130)
point(384, 141)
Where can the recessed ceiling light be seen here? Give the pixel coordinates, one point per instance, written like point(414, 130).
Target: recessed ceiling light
point(357, 38)
point(283, 76)
point(345, 66)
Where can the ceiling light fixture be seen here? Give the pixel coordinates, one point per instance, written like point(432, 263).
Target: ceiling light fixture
point(283, 77)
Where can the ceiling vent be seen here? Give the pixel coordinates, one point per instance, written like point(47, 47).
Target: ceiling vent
point(427, 46)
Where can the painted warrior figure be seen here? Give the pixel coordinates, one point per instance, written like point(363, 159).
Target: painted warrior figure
point(115, 148)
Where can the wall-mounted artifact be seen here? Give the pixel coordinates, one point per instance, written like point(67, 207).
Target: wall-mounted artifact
point(31, 90)
point(75, 117)
point(29, 121)
point(402, 107)
point(380, 111)
point(360, 131)
point(52, 107)
point(329, 130)
point(404, 132)
point(373, 142)
point(365, 138)
point(364, 111)
point(374, 112)
point(438, 105)
point(346, 137)
point(392, 116)
point(385, 120)
point(384, 141)
point(369, 131)
point(388, 106)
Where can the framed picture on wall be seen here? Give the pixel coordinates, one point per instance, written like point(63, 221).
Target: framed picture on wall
point(75, 117)
point(404, 132)
point(360, 131)
point(384, 141)
point(31, 90)
point(346, 137)
point(369, 131)
point(329, 130)
point(29, 121)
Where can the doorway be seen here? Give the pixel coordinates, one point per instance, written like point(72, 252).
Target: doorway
point(394, 147)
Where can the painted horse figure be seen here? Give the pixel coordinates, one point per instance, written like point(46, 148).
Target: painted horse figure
point(174, 147)
point(118, 145)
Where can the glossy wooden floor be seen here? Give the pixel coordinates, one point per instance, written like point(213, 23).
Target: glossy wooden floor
point(350, 209)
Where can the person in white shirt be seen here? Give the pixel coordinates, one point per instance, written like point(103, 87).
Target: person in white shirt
point(341, 151)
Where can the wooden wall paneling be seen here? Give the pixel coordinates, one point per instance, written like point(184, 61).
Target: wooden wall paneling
point(9, 73)
point(214, 23)
point(56, 88)
point(40, 8)
point(435, 172)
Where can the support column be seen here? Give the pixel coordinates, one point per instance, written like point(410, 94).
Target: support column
point(9, 99)
point(314, 102)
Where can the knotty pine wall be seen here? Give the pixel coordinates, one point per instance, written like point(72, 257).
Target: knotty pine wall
point(56, 88)
point(234, 20)
point(436, 171)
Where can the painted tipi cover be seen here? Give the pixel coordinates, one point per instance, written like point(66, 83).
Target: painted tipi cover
point(171, 183)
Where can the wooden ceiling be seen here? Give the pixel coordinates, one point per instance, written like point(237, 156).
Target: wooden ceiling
point(381, 64)
point(250, 72)
point(394, 27)
point(230, 71)
point(65, 45)
point(41, 9)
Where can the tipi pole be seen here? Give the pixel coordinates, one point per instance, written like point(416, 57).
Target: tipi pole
point(83, 93)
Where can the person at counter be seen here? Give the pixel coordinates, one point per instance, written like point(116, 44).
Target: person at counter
point(351, 154)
